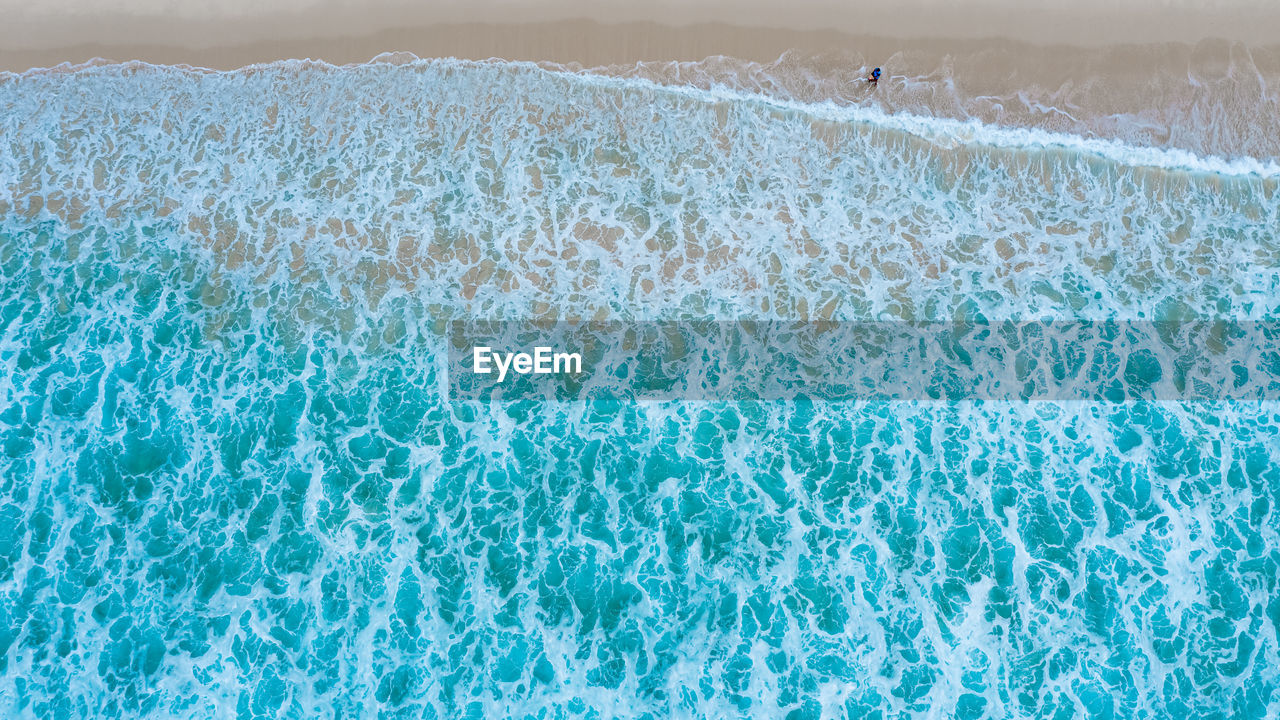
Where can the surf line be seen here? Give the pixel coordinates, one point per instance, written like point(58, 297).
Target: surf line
point(943, 131)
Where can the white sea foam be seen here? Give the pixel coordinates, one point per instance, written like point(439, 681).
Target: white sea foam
point(562, 191)
point(222, 397)
point(947, 132)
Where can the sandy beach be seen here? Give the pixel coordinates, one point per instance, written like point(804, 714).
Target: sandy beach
point(236, 34)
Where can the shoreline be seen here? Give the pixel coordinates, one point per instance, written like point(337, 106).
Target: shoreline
point(1167, 95)
point(1194, 96)
point(225, 44)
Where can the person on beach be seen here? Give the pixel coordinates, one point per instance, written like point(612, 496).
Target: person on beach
point(875, 77)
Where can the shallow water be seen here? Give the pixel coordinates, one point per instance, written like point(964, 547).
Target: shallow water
point(235, 483)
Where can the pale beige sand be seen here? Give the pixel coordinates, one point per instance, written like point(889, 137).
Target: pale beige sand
point(234, 33)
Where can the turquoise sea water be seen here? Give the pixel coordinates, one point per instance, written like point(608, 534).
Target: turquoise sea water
point(234, 483)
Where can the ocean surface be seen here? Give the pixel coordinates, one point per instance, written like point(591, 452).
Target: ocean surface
point(236, 480)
